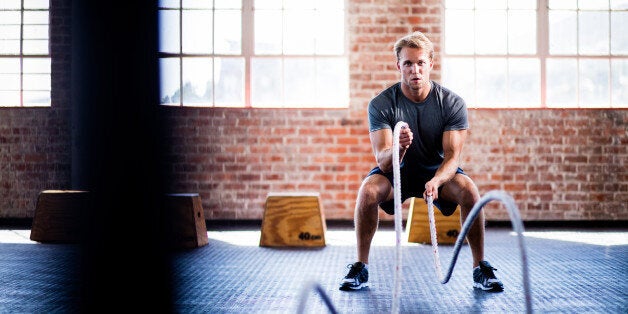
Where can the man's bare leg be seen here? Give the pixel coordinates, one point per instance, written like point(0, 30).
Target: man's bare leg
point(463, 191)
point(374, 190)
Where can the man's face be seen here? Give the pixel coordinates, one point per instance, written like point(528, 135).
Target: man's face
point(415, 67)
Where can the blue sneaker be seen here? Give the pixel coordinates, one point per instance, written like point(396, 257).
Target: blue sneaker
point(357, 278)
point(484, 278)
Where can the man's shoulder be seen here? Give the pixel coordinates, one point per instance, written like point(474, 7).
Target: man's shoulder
point(387, 94)
point(444, 92)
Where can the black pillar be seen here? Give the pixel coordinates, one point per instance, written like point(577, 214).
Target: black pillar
point(125, 263)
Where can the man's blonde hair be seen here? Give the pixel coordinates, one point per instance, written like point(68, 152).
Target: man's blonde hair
point(414, 40)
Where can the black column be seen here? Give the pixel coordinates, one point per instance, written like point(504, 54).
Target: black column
point(117, 156)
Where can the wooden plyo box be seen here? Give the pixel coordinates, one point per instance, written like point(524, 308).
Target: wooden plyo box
point(188, 220)
point(447, 227)
point(293, 219)
point(58, 216)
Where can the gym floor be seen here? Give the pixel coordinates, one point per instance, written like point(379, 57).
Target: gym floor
point(571, 271)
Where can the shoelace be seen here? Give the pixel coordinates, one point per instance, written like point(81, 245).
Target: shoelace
point(353, 271)
point(488, 271)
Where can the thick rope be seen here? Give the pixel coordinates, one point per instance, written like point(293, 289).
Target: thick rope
point(502, 196)
point(398, 225)
point(517, 225)
point(513, 213)
point(316, 287)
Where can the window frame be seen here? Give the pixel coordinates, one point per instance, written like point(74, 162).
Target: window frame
point(247, 53)
point(21, 56)
point(543, 55)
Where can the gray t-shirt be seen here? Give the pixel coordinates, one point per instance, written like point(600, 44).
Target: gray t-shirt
point(441, 111)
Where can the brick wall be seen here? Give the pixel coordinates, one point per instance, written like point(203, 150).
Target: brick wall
point(35, 145)
point(557, 164)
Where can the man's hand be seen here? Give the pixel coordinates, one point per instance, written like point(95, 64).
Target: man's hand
point(405, 138)
point(431, 189)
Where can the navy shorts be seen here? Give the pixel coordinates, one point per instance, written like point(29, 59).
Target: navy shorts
point(413, 185)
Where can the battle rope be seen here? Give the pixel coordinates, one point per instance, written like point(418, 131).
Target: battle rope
point(398, 226)
point(316, 287)
point(513, 213)
point(502, 196)
point(517, 225)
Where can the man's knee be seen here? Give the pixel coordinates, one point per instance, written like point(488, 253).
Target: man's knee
point(374, 191)
point(463, 191)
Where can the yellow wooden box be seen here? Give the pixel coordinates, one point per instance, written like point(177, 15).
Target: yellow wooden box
point(418, 225)
point(293, 219)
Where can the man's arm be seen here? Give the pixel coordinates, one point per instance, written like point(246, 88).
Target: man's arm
point(382, 142)
point(452, 147)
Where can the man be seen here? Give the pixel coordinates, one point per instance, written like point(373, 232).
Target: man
point(430, 152)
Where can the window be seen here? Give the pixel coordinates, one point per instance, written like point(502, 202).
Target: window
point(24, 53)
point(253, 53)
point(561, 54)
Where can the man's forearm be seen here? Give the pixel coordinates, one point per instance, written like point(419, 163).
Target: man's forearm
point(446, 171)
point(384, 159)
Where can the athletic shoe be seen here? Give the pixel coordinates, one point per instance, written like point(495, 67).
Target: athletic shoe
point(357, 278)
point(484, 278)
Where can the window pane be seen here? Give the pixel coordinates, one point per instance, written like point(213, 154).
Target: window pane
point(9, 82)
point(298, 4)
point(9, 98)
point(266, 82)
point(36, 4)
point(619, 35)
point(268, 29)
point(35, 31)
point(522, 4)
point(9, 65)
point(490, 4)
point(593, 4)
point(491, 72)
point(524, 81)
point(198, 4)
point(197, 31)
point(197, 81)
point(459, 30)
point(228, 4)
point(332, 82)
point(619, 71)
point(10, 4)
point(299, 78)
point(594, 82)
point(268, 4)
point(619, 4)
point(168, 3)
point(562, 82)
point(330, 32)
point(456, 77)
point(229, 77)
point(169, 81)
point(36, 17)
point(490, 31)
point(36, 82)
point(298, 32)
point(593, 33)
point(36, 65)
point(169, 31)
point(10, 17)
point(35, 47)
point(562, 32)
point(9, 32)
point(9, 47)
point(36, 98)
point(522, 32)
point(228, 38)
point(459, 4)
point(563, 4)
